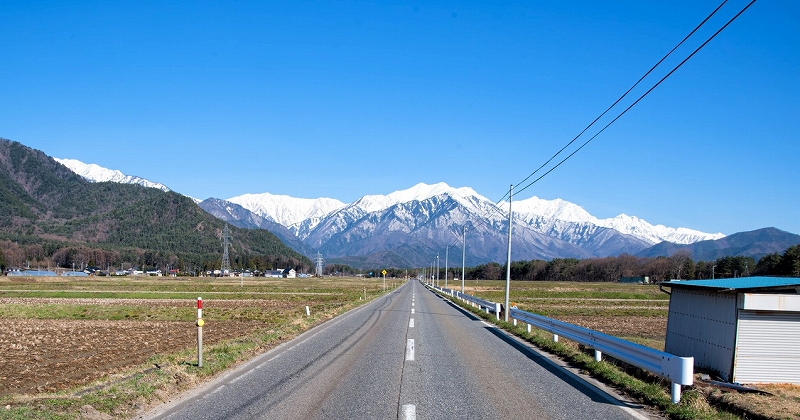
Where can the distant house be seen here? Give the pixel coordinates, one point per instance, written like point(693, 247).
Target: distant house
point(289, 273)
point(273, 273)
point(745, 329)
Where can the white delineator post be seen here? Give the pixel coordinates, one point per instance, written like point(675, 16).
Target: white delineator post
point(200, 323)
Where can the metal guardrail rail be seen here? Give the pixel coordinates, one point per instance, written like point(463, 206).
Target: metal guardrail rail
point(488, 306)
point(679, 370)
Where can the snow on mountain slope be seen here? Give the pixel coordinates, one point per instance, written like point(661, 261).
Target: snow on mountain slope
point(320, 220)
point(547, 215)
point(288, 211)
point(639, 228)
point(419, 192)
point(96, 173)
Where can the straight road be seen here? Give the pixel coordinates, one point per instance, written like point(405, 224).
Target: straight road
point(407, 355)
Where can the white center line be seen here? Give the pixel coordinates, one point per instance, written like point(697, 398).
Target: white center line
point(409, 412)
point(410, 350)
point(411, 323)
point(412, 310)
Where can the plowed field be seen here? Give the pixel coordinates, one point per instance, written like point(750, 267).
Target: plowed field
point(45, 355)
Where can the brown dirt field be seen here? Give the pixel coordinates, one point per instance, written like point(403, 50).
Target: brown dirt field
point(52, 355)
point(622, 326)
point(155, 303)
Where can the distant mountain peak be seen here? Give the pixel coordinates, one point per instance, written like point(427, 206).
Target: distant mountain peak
point(286, 210)
point(419, 192)
point(97, 173)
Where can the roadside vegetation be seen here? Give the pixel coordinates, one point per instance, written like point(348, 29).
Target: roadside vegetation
point(637, 313)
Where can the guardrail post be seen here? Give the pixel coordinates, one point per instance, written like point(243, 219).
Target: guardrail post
point(676, 393)
point(555, 338)
point(598, 355)
point(529, 328)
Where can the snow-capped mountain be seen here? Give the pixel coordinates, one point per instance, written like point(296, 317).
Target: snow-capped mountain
point(406, 227)
point(550, 216)
point(96, 173)
point(414, 222)
point(288, 211)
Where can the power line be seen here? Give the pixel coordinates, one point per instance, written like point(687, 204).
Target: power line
point(637, 101)
point(496, 207)
point(628, 91)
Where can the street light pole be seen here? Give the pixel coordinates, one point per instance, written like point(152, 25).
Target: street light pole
point(446, 252)
point(463, 257)
point(437, 269)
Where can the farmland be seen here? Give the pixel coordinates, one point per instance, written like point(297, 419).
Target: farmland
point(124, 344)
point(633, 312)
point(66, 338)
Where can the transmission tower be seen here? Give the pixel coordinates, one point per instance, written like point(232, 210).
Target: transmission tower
point(226, 260)
point(319, 265)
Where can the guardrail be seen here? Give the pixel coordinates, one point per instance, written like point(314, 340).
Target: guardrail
point(679, 370)
point(488, 306)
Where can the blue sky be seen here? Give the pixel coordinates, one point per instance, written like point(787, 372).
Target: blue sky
point(341, 99)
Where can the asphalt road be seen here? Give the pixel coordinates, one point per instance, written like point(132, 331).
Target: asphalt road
point(408, 355)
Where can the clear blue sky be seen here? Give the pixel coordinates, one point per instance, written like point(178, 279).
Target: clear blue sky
point(342, 99)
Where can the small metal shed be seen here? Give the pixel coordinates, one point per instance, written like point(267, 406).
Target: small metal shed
point(745, 329)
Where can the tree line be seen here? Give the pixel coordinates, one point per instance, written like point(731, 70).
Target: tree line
point(679, 266)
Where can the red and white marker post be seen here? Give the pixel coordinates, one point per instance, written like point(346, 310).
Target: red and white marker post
point(200, 323)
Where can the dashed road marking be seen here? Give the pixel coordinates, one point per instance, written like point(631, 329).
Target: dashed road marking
point(411, 323)
point(410, 350)
point(409, 412)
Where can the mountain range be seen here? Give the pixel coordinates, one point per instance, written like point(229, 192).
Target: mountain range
point(408, 228)
point(49, 214)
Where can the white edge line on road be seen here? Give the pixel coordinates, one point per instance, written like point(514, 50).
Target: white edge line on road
point(410, 350)
point(215, 385)
point(409, 412)
point(602, 391)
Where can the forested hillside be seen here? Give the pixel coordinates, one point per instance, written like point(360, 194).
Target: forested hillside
point(51, 217)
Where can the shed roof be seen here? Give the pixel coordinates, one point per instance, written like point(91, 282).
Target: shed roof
point(738, 284)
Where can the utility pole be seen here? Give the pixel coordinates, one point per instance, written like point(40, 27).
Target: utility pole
point(463, 257)
point(508, 261)
point(446, 251)
point(437, 269)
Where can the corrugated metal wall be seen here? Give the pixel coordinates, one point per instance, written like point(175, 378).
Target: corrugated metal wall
point(702, 324)
point(768, 347)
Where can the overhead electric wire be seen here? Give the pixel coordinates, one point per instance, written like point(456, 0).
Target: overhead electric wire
point(640, 98)
point(623, 95)
point(496, 206)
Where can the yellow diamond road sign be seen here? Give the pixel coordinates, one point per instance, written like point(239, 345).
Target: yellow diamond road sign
point(384, 272)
